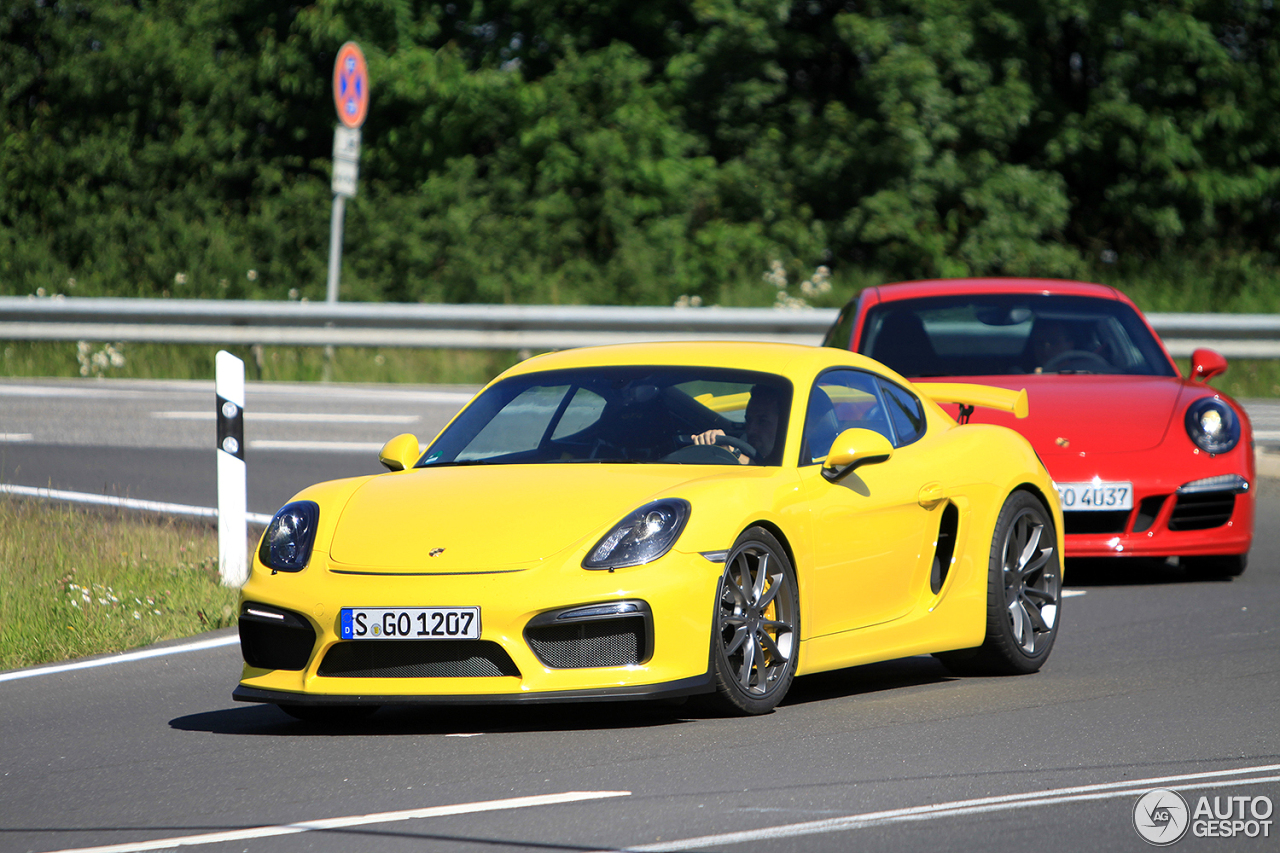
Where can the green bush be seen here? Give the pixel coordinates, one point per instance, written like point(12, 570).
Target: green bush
point(634, 153)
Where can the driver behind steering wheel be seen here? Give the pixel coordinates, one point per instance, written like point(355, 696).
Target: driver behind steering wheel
point(760, 427)
point(1050, 339)
point(1056, 346)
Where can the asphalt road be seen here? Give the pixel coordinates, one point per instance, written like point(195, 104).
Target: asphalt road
point(1155, 681)
point(155, 440)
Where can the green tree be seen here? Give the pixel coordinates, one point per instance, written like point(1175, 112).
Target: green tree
point(574, 151)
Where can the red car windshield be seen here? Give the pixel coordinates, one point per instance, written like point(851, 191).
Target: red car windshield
point(1004, 334)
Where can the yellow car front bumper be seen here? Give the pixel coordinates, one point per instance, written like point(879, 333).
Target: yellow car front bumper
point(536, 641)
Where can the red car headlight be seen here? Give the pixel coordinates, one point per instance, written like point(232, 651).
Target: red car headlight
point(1212, 425)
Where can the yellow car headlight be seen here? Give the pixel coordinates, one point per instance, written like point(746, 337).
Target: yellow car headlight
point(641, 537)
point(286, 546)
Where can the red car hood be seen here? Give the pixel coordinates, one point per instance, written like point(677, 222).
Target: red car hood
point(1073, 413)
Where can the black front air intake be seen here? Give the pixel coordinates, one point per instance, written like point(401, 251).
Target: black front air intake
point(1202, 511)
point(273, 638)
point(417, 659)
point(609, 633)
point(1093, 522)
point(1148, 512)
point(610, 642)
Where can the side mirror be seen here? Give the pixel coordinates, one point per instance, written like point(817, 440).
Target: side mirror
point(853, 448)
point(1206, 364)
point(400, 452)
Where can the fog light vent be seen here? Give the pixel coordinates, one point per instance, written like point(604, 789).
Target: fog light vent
point(272, 638)
point(610, 642)
point(1202, 511)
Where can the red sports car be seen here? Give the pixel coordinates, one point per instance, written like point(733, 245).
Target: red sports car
point(1148, 463)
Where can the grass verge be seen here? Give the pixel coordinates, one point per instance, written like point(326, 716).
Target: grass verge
point(75, 582)
point(272, 364)
point(1244, 378)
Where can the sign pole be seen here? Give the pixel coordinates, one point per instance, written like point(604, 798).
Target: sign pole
point(233, 528)
point(351, 98)
point(335, 246)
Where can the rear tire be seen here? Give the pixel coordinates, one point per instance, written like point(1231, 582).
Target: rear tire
point(1024, 592)
point(755, 636)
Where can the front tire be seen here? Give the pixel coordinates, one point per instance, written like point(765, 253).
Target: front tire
point(755, 638)
point(1024, 594)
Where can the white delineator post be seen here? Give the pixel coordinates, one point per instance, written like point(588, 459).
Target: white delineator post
point(233, 530)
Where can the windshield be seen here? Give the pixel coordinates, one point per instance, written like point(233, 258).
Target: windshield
point(995, 335)
point(632, 414)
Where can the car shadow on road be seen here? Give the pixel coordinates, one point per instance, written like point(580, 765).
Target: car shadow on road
point(465, 720)
point(1129, 571)
point(870, 678)
point(448, 720)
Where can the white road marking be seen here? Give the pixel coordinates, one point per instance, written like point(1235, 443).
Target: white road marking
point(125, 657)
point(123, 503)
point(153, 388)
point(317, 446)
point(293, 417)
point(356, 820)
point(1070, 593)
point(384, 392)
point(47, 391)
point(1052, 797)
point(15, 436)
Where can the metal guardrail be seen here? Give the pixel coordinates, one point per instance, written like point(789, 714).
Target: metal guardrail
point(536, 327)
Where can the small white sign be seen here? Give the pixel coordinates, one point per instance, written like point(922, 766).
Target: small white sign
point(345, 173)
point(346, 143)
point(346, 160)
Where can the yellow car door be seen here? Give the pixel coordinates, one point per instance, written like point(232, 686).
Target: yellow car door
point(872, 529)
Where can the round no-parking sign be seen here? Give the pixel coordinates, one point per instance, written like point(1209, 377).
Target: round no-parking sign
point(351, 85)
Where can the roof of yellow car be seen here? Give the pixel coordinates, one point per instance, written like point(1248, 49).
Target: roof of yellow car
point(779, 358)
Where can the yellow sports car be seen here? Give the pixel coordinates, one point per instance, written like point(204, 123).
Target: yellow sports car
point(661, 520)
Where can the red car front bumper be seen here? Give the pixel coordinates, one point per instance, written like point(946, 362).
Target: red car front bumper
point(1194, 506)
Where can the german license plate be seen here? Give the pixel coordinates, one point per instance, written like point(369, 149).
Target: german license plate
point(410, 623)
point(1095, 496)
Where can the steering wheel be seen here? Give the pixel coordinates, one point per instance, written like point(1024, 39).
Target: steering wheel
point(1089, 358)
point(726, 443)
point(736, 444)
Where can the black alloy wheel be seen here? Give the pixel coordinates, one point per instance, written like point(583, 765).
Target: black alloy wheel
point(756, 634)
point(1024, 593)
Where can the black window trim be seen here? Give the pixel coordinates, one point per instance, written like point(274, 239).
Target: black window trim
point(876, 379)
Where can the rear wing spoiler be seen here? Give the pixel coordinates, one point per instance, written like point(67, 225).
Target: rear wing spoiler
point(986, 396)
point(724, 402)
